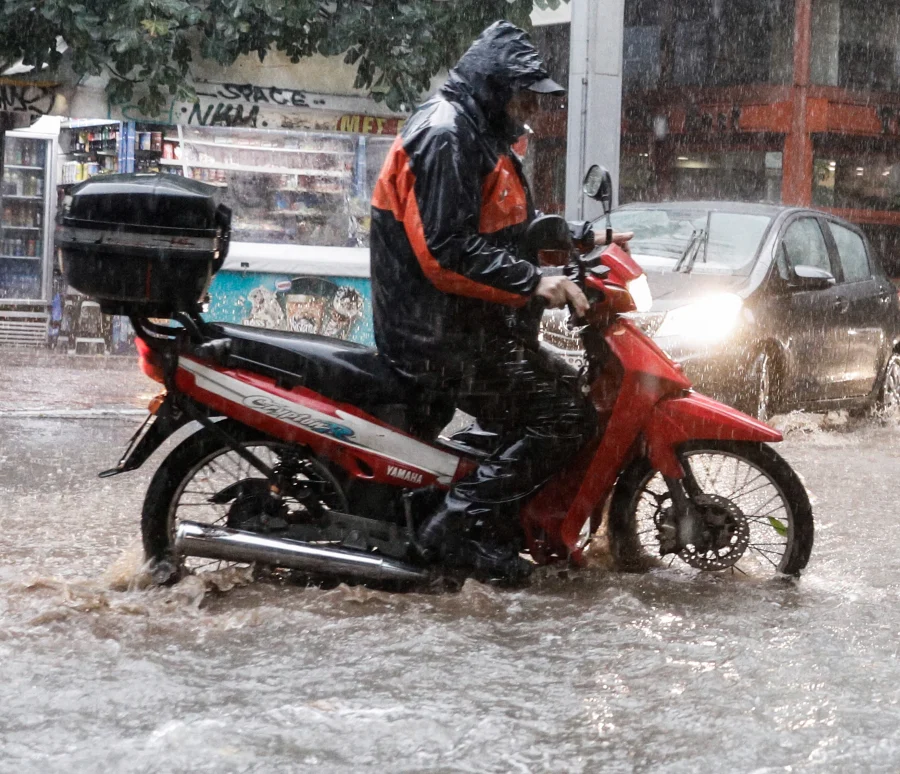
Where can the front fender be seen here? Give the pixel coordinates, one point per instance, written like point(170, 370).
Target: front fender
point(694, 417)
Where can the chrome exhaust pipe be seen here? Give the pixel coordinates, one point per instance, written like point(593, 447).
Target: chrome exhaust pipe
point(233, 545)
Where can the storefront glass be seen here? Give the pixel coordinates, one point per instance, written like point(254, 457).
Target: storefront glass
point(857, 181)
point(545, 161)
point(696, 173)
point(707, 43)
point(308, 188)
point(856, 44)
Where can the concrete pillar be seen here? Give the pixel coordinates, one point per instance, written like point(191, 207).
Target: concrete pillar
point(595, 98)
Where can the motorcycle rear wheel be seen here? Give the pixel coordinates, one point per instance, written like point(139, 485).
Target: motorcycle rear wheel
point(747, 485)
point(199, 468)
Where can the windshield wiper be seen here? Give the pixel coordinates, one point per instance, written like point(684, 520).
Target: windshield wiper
point(686, 262)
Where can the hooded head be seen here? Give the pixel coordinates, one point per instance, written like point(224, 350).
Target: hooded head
point(500, 63)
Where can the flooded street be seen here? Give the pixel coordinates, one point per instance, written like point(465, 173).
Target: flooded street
point(587, 673)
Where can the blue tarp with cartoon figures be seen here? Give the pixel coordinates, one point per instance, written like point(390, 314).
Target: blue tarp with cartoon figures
point(340, 307)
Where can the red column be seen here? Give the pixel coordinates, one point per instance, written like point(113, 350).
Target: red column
point(798, 151)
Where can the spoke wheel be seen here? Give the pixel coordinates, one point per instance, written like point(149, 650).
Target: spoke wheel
point(205, 481)
point(890, 392)
point(757, 516)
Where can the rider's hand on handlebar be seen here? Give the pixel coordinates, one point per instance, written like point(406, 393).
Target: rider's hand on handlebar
point(559, 291)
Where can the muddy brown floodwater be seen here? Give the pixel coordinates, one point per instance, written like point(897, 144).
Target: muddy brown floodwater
point(587, 673)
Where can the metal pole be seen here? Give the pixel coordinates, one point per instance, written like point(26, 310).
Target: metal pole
point(595, 98)
point(798, 149)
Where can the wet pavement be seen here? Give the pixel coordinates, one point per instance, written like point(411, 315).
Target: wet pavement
point(584, 673)
point(33, 383)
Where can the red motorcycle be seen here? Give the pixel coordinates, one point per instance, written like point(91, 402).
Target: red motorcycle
point(312, 454)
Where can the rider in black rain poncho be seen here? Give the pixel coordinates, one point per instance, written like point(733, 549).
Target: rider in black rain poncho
point(452, 297)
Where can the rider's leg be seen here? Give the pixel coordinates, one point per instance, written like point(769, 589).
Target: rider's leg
point(542, 419)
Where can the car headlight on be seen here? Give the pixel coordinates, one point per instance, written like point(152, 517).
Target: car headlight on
point(709, 320)
point(640, 293)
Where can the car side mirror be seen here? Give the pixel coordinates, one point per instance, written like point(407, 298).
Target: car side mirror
point(811, 278)
point(548, 233)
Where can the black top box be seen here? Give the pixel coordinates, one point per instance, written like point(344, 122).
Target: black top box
point(143, 244)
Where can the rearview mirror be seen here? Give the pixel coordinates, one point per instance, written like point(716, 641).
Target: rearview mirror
point(598, 185)
point(812, 278)
point(546, 233)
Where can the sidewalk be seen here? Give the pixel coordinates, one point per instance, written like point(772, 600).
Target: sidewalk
point(43, 382)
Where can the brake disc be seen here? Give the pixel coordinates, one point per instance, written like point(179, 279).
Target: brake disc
point(726, 534)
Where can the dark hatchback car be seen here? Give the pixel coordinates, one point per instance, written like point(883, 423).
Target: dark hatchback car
point(767, 308)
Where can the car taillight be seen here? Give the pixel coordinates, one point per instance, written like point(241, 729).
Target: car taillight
point(149, 362)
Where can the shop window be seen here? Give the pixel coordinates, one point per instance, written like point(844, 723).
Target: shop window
point(552, 40)
point(856, 44)
point(698, 174)
point(852, 254)
point(745, 176)
point(862, 180)
point(803, 245)
point(707, 43)
point(884, 240)
point(641, 58)
point(637, 178)
point(545, 157)
point(297, 188)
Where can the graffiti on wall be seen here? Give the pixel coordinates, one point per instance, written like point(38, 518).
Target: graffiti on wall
point(24, 97)
point(238, 104)
point(362, 124)
point(264, 107)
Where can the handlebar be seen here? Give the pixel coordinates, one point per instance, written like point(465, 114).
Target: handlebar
point(540, 305)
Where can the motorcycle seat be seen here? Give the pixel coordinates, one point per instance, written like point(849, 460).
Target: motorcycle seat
point(342, 371)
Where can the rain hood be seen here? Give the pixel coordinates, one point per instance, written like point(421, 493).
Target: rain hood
point(500, 63)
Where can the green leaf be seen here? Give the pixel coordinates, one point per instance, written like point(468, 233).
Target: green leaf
point(396, 46)
point(779, 526)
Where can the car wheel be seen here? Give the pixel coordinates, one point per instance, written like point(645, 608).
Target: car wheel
point(760, 399)
point(890, 390)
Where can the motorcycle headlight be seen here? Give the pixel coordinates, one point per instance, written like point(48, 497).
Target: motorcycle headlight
point(640, 293)
point(709, 320)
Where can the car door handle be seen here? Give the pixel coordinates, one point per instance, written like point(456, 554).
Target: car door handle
point(841, 304)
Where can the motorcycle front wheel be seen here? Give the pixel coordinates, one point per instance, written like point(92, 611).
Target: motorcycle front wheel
point(757, 516)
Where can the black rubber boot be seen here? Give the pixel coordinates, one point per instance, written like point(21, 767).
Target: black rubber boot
point(443, 537)
point(489, 563)
point(449, 519)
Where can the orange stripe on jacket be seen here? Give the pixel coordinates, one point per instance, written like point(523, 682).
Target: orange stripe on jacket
point(395, 192)
point(503, 199)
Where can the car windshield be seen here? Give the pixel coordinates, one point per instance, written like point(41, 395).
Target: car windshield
point(662, 235)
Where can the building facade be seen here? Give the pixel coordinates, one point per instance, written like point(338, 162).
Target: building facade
point(791, 101)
